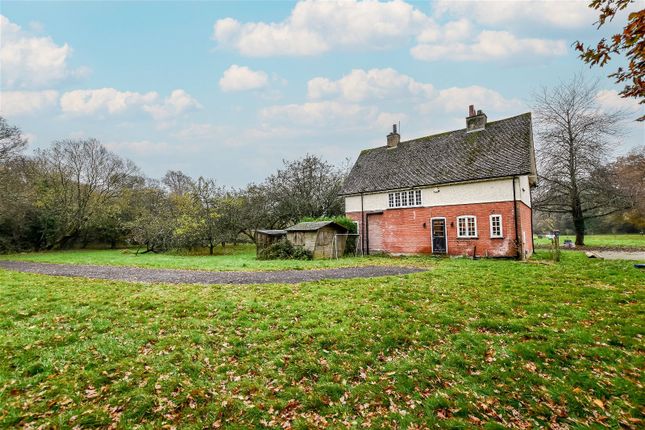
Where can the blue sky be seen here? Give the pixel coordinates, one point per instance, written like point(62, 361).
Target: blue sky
point(228, 90)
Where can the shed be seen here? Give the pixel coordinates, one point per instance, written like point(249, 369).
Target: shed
point(318, 237)
point(266, 238)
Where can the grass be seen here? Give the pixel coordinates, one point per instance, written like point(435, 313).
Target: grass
point(617, 241)
point(492, 344)
point(241, 257)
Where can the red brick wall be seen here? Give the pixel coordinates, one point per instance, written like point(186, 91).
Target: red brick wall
point(403, 230)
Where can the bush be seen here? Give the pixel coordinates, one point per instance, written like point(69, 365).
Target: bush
point(284, 250)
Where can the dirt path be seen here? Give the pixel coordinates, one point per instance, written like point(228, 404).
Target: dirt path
point(137, 274)
point(620, 255)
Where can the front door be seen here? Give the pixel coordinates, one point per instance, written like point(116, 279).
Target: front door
point(439, 236)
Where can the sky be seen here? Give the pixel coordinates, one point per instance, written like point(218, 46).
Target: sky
point(229, 90)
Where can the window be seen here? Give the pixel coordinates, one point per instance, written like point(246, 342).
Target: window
point(404, 199)
point(466, 226)
point(496, 226)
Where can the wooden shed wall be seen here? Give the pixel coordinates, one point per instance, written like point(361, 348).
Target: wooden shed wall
point(263, 240)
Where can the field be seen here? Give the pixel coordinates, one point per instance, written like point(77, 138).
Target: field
point(467, 344)
point(241, 257)
point(616, 241)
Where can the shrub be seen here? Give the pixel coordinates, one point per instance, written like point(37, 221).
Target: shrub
point(284, 250)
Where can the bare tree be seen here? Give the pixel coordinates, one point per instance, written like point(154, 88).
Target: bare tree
point(82, 176)
point(11, 140)
point(574, 143)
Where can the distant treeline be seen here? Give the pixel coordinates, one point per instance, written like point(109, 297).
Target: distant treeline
point(77, 193)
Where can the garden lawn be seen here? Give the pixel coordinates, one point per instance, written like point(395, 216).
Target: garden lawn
point(241, 257)
point(468, 344)
point(617, 241)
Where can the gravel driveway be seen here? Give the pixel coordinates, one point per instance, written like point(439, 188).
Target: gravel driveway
point(137, 274)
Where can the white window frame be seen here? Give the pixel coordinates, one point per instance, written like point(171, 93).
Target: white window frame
point(404, 199)
point(501, 230)
point(469, 234)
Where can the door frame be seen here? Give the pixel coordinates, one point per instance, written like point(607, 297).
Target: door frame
point(445, 231)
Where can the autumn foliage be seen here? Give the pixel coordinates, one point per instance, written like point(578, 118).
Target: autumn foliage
point(630, 43)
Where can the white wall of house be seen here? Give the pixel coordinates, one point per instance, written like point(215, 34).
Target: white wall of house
point(497, 190)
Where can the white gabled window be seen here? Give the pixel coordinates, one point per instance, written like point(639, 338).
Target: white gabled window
point(466, 226)
point(496, 226)
point(404, 199)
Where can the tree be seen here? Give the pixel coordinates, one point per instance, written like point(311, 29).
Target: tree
point(11, 140)
point(307, 187)
point(81, 176)
point(629, 172)
point(257, 210)
point(575, 138)
point(178, 182)
point(631, 43)
point(153, 223)
point(206, 195)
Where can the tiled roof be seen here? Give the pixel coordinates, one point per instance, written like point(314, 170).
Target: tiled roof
point(312, 226)
point(503, 148)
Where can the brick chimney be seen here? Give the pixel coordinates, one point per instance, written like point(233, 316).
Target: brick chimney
point(475, 121)
point(393, 138)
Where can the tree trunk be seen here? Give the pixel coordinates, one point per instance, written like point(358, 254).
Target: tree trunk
point(211, 245)
point(578, 223)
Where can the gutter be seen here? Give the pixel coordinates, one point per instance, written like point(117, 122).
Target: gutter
point(362, 226)
point(517, 243)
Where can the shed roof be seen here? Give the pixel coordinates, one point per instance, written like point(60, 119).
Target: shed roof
point(272, 232)
point(314, 225)
point(504, 148)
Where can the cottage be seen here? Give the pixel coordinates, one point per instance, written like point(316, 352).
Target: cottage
point(266, 238)
point(463, 192)
point(320, 237)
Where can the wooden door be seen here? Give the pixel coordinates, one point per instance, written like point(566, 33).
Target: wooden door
point(375, 233)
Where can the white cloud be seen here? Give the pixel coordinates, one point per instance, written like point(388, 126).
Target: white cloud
point(388, 85)
point(241, 78)
point(110, 100)
point(451, 31)
point(14, 103)
point(113, 101)
point(200, 132)
point(140, 147)
point(330, 115)
point(32, 61)
point(177, 103)
point(610, 100)
point(489, 45)
point(361, 85)
point(557, 13)
point(457, 99)
point(315, 27)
